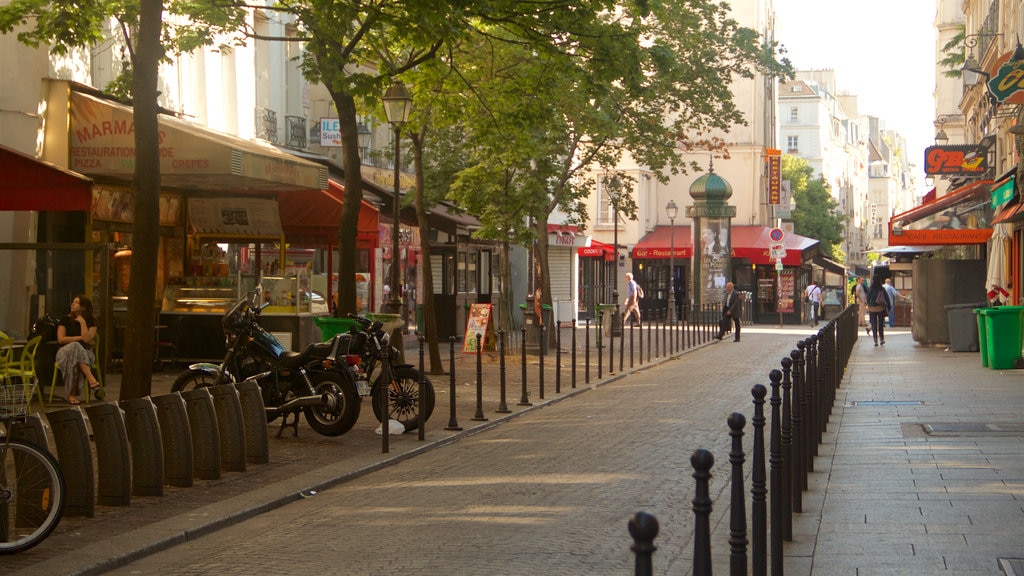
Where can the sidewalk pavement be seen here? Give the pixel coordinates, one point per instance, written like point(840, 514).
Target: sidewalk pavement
point(921, 470)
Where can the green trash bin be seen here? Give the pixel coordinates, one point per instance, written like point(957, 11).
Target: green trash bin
point(1003, 330)
point(330, 326)
point(982, 315)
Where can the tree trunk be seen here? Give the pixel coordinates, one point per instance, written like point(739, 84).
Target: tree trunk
point(136, 380)
point(426, 287)
point(542, 279)
point(348, 227)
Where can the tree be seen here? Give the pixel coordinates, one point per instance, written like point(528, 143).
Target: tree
point(65, 26)
point(815, 215)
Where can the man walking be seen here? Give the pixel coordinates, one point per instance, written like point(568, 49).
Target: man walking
point(632, 303)
point(813, 298)
point(731, 309)
point(892, 292)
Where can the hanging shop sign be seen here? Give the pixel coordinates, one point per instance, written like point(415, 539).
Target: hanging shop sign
point(959, 160)
point(1008, 81)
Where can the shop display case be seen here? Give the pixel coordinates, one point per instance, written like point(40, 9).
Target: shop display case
point(191, 313)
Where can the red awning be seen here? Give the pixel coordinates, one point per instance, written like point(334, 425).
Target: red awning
point(658, 243)
point(563, 229)
point(752, 242)
point(311, 217)
point(979, 189)
point(597, 249)
point(32, 184)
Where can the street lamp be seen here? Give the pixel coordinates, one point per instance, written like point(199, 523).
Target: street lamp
point(614, 195)
point(671, 210)
point(397, 105)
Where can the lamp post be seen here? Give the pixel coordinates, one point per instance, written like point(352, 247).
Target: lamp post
point(671, 210)
point(397, 105)
point(613, 197)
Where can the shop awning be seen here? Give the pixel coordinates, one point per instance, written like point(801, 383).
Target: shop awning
point(32, 184)
point(659, 243)
point(597, 249)
point(960, 217)
point(830, 265)
point(310, 218)
point(752, 243)
point(192, 157)
point(1013, 211)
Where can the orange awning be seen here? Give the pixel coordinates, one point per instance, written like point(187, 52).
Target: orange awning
point(311, 217)
point(658, 243)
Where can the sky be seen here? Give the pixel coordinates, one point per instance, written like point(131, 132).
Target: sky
point(883, 51)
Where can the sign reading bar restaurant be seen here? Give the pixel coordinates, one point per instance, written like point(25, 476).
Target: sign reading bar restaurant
point(959, 160)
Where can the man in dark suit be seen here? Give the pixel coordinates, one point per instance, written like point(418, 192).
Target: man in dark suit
point(731, 309)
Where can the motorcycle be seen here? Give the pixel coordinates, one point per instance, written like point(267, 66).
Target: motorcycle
point(374, 360)
point(316, 381)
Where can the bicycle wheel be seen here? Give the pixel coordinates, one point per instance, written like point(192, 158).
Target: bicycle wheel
point(31, 495)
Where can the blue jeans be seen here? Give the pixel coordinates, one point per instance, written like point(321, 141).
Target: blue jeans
point(814, 312)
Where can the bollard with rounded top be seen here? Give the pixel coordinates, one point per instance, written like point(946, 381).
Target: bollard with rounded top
point(229, 427)
point(254, 422)
point(421, 384)
point(479, 416)
point(202, 422)
point(737, 506)
point(74, 452)
point(558, 357)
point(586, 355)
point(112, 454)
point(797, 480)
point(573, 384)
point(453, 423)
point(787, 449)
point(775, 467)
point(146, 448)
point(524, 400)
point(758, 490)
point(502, 403)
point(643, 528)
point(176, 436)
point(540, 365)
point(702, 461)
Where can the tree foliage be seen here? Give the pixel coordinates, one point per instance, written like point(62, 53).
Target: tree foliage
point(815, 215)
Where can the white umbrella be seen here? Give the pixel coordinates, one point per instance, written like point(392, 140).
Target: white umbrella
point(996, 279)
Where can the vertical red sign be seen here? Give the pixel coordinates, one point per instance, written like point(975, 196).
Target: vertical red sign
point(774, 179)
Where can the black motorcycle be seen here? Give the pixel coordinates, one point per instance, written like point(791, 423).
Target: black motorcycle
point(376, 363)
point(314, 381)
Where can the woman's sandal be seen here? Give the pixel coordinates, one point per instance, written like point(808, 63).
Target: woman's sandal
point(97, 391)
point(74, 401)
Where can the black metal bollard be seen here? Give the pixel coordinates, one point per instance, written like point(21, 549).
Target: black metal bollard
point(573, 355)
point(479, 416)
point(649, 347)
point(540, 354)
point(600, 349)
point(813, 377)
point(632, 336)
point(758, 490)
point(558, 357)
point(453, 423)
point(737, 506)
point(385, 421)
point(421, 417)
point(611, 345)
point(502, 405)
point(622, 347)
point(524, 400)
point(702, 461)
point(787, 450)
point(643, 527)
point(775, 465)
point(798, 482)
point(586, 355)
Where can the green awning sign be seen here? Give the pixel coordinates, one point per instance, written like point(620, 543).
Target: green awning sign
point(1003, 192)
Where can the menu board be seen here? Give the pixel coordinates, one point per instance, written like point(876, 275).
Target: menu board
point(787, 289)
point(478, 323)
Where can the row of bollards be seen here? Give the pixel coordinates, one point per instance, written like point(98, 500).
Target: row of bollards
point(662, 340)
point(144, 444)
point(801, 399)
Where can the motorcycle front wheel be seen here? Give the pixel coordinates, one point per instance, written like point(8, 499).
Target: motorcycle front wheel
point(343, 417)
point(193, 379)
point(404, 398)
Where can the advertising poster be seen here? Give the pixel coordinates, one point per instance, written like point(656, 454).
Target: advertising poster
point(787, 289)
point(478, 323)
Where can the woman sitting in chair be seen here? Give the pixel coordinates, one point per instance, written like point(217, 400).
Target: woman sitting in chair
point(76, 334)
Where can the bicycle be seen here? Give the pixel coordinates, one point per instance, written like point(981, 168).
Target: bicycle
point(32, 490)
